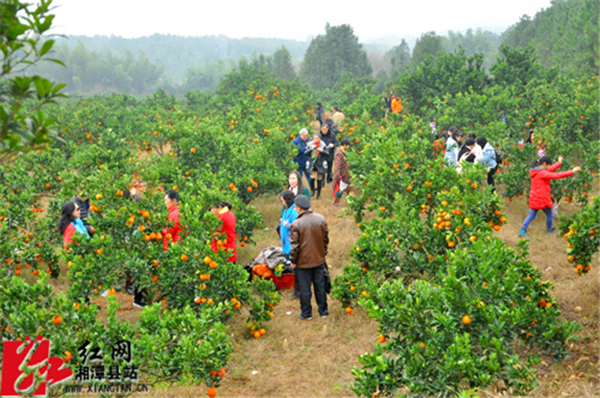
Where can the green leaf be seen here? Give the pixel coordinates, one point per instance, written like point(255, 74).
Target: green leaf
point(47, 46)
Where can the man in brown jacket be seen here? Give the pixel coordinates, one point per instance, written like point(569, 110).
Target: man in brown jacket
point(309, 240)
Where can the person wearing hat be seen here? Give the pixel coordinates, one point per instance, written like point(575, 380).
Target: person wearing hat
point(308, 249)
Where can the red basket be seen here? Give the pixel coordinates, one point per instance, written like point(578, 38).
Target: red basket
point(285, 282)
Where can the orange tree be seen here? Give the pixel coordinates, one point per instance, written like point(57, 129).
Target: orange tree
point(166, 344)
point(582, 234)
point(430, 271)
point(113, 142)
point(563, 111)
point(454, 330)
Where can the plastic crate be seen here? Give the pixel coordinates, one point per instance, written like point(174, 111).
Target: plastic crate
point(286, 281)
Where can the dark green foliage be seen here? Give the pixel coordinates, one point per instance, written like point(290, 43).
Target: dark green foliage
point(399, 58)
point(329, 55)
point(564, 35)
point(447, 74)
point(282, 65)
point(429, 44)
point(22, 45)
point(515, 67)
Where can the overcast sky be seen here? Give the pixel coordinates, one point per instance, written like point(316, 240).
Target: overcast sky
point(299, 20)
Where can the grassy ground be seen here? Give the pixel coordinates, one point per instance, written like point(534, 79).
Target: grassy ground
point(302, 359)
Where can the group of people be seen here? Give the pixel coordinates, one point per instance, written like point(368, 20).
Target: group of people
point(304, 234)
point(322, 160)
point(476, 149)
point(472, 149)
point(393, 103)
point(304, 240)
point(75, 220)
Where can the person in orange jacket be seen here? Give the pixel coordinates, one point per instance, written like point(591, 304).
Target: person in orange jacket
point(224, 213)
point(396, 104)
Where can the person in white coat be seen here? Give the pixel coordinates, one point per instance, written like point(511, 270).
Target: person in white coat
point(452, 147)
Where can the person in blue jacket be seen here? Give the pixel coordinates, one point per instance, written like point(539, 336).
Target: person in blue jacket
point(288, 215)
point(301, 142)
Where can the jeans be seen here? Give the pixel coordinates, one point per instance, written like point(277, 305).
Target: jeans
point(304, 278)
point(302, 170)
point(533, 213)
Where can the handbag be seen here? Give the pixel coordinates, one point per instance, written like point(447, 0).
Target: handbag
point(327, 278)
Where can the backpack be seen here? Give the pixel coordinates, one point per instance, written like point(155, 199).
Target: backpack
point(499, 157)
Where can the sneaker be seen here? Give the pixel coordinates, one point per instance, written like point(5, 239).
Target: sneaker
point(129, 289)
point(294, 296)
point(302, 318)
point(553, 232)
point(139, 303)
point(523, 234)
point(324, 315)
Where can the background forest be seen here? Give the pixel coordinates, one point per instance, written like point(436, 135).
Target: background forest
point(563, 36)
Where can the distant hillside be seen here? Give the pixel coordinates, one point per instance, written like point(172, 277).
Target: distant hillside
point(177, 53)
point(564, 35)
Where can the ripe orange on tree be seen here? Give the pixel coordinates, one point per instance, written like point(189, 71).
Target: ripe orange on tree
point(466, 319)
point(57, 320)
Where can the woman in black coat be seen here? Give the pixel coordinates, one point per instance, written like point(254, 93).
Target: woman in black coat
point(331, 142)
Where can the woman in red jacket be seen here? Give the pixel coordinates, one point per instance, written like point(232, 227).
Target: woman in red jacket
point(541, 174)
point(173, 233)
point(224, 213)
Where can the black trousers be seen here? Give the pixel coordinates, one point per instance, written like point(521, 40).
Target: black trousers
point(490, 178)
point(319, 185)
point(305, 277)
